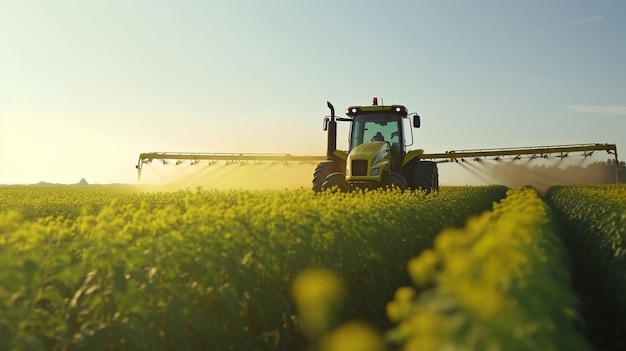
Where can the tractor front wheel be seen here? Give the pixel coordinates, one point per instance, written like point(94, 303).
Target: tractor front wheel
point(335, 181)
point(394, 180)
point(425, 176)
point(323, 170)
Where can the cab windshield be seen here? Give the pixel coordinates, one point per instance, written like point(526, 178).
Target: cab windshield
point(375, 127)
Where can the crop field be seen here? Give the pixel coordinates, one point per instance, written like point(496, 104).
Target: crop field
point(465, 268)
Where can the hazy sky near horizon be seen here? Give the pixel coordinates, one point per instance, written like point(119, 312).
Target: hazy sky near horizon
point(86, 86)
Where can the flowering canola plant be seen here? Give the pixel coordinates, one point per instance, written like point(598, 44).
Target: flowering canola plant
point(500, 283)
point(101, 268)
point(594, 229)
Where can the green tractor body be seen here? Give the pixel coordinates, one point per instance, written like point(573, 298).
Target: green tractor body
point(377, 155)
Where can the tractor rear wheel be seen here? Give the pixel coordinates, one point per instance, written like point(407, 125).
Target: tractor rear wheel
point(394, 180)
point(425, 176)
point(322, 170)
point(336, 181)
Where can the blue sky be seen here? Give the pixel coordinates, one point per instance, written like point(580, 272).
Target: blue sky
point(86, 86)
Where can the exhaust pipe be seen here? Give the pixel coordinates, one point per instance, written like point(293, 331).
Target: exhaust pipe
point(332, 133)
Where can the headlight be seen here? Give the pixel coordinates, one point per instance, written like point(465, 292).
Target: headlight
point(374, 171)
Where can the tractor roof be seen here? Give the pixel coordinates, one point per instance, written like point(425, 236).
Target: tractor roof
point(357, 110)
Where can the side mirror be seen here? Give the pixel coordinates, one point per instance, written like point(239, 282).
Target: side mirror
point(326, 120)
point(416, 121)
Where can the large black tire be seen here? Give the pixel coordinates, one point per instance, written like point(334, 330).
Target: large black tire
point(407, 171)
point(394, 180)
point(323, 170)
point(425, 176)
point(335, 181)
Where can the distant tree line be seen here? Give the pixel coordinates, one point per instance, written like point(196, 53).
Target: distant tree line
point(622, 169)
point(542, 176)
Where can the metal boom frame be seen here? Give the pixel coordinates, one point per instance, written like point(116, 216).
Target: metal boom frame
point(529, 152)
point(448, 156)
point(228, 157)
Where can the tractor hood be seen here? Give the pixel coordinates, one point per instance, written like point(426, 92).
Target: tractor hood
point(368, 161)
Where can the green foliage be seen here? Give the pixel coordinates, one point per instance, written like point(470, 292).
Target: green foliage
point(593, 222)
point(500, 283)
point(104, 268)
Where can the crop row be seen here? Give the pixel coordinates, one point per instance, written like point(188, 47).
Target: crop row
point(69, 202)
point(204, 269)
point(593, 225)
point(500, 283)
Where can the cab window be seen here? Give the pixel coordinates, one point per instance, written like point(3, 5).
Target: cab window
point(375, 127)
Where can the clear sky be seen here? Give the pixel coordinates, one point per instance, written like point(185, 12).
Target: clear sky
point(85, 86)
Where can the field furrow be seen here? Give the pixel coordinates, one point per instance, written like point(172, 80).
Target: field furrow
point(593, 226)
point(500, 283)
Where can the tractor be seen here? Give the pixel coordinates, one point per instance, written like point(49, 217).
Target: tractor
point(377, 156)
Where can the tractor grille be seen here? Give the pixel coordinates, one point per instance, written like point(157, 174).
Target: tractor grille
point(359, 168)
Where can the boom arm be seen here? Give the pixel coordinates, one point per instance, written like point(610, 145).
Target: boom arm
point(530, 152)
point(448, 156)
point(195, 157)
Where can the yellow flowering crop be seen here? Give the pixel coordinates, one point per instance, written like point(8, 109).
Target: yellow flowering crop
point(499, 283)
point(594, 229)
point(118, 268)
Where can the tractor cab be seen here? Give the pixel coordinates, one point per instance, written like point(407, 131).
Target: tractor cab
point(377, 154)
point(379, 124)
